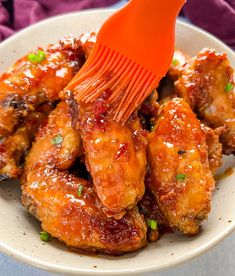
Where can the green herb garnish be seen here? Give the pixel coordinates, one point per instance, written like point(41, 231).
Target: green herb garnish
point(37, 57)
point(175, 62)
point(152, 224)
point(44, 236)
point(229, 87)
point(180, 176)
point(57, 140)
point(80, 190)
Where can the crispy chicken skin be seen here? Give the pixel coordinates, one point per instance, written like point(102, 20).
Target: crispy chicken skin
point(57, 142)
point(206, 83)
point(27, 85)
point(51, 194)
point(52, 197)
point(214, 148)
point(167, 93)
point(115, 157)
point(14, 148)
point(181, 179)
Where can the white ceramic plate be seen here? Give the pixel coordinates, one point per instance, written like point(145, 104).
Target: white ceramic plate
point(20, 232)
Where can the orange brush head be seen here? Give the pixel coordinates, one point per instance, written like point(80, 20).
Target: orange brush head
point(133, 52)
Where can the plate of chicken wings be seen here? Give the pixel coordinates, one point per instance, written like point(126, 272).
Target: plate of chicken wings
point(81, 193)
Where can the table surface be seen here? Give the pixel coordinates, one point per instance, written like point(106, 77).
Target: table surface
point(219, 261)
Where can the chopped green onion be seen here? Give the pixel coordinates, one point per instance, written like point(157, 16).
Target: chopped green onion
point(152, 224)
point(44, 236)
point(175, 62)
point(57, 140)
point(38, 57)
point(180, 176)
point(229, 87)
point(181, 152)
point(80, 190)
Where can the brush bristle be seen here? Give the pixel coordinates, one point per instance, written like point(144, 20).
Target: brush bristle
point(129, 83)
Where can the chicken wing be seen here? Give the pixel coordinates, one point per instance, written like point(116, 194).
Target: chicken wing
point(25, 88)
point(206, 83)
point(14, 148)
point(115, 157)
point(67, 205)
point(181, 179)
point(57, 142)
point(27, 84)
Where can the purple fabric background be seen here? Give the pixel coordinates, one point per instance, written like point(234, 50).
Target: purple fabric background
point(27, 12)
point(216, 16)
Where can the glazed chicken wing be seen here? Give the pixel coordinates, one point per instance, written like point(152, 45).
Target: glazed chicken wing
point(26, 88)
point(57, 142)
point(206, 83)
point(28, 84)
point(115, 157)
point(14, 148)
point(67, 205)
point(181, 178)
point(78, 221)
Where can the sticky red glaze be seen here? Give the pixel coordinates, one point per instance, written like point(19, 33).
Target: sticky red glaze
point(51, 194)
point(27, 84)
point(122, 150)
point(202, 84)
point(28, 89)
point(184, 203)
point(115, 158)
point(78, 220)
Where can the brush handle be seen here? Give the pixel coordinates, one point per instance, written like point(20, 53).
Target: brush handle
point(149, 24)
point(151, 5)
point(163, 8)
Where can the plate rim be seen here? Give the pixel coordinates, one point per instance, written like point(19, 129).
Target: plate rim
point(10, 251)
